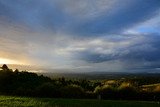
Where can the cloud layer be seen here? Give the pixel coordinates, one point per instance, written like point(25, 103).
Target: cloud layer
point(84, 35)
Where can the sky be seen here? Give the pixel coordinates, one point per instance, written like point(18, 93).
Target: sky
point(81, 35)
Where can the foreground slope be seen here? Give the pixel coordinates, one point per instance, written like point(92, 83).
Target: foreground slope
point(9, 101)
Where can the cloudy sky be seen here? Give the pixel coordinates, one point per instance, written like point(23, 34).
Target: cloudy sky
point(81, 35)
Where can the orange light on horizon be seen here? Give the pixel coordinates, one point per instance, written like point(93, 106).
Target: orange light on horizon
point(8, 61)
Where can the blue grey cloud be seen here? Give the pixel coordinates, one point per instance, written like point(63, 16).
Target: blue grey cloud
point(35, 14)
point(50, 15)
point(141, 56)
point(147, 50)
point(86, 34)
point(120, 19)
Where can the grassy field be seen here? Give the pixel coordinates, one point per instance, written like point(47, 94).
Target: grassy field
point(8, 101)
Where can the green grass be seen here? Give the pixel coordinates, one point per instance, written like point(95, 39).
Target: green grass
point(8, 101)
point(151, 85)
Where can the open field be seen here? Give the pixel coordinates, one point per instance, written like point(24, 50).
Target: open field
point(8, 101)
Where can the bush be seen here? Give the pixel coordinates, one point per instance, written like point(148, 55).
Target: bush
point(90, 95)
point(73, 91)
point(21, 91)
point(105, 92)
point(157, 89)
point(127, 91)
point(48, 90)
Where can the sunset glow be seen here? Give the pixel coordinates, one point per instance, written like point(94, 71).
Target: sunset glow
point(8, 61)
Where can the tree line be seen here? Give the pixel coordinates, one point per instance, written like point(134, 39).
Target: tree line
point(23, 83)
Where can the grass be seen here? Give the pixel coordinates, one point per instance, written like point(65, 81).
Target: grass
point(151, 85)
point(10, 101)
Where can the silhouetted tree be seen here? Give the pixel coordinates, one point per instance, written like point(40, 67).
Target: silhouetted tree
point(16, 71)
point(5, 67)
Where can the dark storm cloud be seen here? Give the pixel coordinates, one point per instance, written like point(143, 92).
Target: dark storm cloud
point(95, 57)
point(36, 14)
point(147, 50)
point(120, 19)
point(48, 14)
point(143, 56)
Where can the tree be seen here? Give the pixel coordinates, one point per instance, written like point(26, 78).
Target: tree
point(16, 71)
point(73, 91)
point(5, 67)
point(127, 91)
point(48, 90)
point(105, 92)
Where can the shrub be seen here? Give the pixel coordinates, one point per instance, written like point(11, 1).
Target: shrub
point(48, 90)
point(157, 89)
point(127, 91)
point(73, 91)
point(106, 92)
